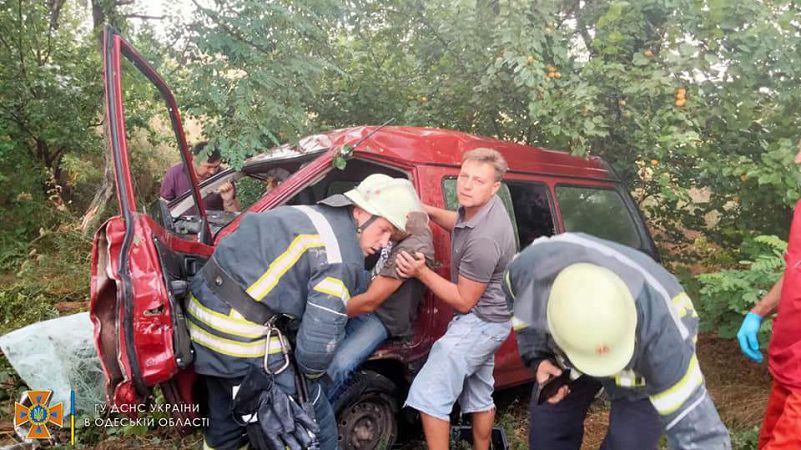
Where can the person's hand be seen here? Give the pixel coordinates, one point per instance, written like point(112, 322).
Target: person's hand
point(747, 336)
point(547, 370)
point(408, 266)
point(227, 191)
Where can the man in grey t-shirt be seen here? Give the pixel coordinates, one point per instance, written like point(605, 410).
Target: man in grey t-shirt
point(460, 364)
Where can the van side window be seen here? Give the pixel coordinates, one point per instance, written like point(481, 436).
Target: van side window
point(533, 212)
point(598, 211)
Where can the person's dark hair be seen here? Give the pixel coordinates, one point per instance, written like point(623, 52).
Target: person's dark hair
point(213, 156)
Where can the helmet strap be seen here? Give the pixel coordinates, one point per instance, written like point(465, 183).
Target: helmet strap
point(366, 224)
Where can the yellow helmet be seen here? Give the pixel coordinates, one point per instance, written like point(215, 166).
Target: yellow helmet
point(387, 197)
point(592, 317)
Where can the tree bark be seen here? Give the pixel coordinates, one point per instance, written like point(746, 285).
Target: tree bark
point(103, 195)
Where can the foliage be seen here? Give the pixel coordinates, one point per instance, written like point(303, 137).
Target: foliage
point(727, 295)
point(50, 92)
point(37, 276)
point(691, 102)
point(746, 439)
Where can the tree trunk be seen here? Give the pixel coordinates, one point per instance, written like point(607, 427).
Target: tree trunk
point(106, 189)
point(101, 199)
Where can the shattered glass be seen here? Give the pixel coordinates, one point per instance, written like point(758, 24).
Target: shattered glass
point(58, 355)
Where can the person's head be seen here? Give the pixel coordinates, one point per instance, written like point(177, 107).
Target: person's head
point(274, 177)
point(479, 177)
point(381, 206)
point(207, 166)
point(592, 317)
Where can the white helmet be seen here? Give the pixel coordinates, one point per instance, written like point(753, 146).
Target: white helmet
point(592, 317)
point(387, 197)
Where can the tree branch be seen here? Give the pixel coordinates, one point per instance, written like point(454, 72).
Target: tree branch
point(231, 31)
point(55, 12)
point(142, 17)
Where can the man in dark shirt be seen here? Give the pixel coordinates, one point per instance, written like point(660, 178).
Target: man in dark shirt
point(176, 181)
point(387, 309)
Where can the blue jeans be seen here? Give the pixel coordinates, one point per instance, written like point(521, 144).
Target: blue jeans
point(363, 335)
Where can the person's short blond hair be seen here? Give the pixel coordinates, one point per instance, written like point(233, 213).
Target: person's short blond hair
point(488, 156)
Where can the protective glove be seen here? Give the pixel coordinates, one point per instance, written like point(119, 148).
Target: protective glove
point(285, 423)
point(747, 336)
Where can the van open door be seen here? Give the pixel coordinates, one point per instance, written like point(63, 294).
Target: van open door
point(141, 261)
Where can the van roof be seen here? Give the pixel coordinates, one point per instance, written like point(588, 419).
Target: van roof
point(434, 146)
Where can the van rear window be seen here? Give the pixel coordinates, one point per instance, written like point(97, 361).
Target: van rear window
point(599, 212)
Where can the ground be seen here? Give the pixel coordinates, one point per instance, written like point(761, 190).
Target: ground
point(739, 388)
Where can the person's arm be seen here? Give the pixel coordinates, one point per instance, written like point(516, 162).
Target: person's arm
point(322, 325)
point(461, 296)
point(770, 302)
point(747, 335)
point(442, 217)
point(167, 191)
point(228, 193)
point(378, 291)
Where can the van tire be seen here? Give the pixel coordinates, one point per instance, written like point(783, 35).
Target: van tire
point(367, 412)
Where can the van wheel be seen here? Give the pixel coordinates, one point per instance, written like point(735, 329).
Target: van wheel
point(367, 412)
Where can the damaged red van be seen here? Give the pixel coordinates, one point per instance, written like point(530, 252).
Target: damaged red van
point(143, 257)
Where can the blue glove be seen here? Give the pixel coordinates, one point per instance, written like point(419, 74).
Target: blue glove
point(747, 336)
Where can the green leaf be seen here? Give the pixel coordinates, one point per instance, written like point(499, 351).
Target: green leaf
point(339, 162)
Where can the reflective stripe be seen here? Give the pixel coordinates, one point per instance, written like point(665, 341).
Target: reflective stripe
point(230, 347)
point(508, 279)
point(327, 309)
point(683, 304)
point(326, 232)
point(335, 288)
point(627, 378)
point(667, 402)
point(572, 238)
point(206, 446)
point(686, 411)
point(229, 324)
point(282, 264)
point(518, 324)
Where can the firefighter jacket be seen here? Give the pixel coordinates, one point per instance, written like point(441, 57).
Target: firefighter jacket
point(664, 367)
point(303, 262)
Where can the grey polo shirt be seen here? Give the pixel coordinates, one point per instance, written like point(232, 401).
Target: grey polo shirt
point(480, 250)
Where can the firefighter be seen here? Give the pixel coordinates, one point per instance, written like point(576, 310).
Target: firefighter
point(618, 320)
point(273, 298)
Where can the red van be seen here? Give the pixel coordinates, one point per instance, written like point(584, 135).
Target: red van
point(143, 257)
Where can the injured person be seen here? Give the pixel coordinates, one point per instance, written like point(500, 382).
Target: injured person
point(386, 310)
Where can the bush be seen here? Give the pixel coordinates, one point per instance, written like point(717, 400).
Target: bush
point(726, 296)
point(53, 267)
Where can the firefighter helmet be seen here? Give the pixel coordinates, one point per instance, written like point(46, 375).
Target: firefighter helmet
point(387, 197)
point(592, 317)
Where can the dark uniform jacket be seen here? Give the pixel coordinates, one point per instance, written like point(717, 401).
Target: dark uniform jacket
point(303, 262)
point(664, 367)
